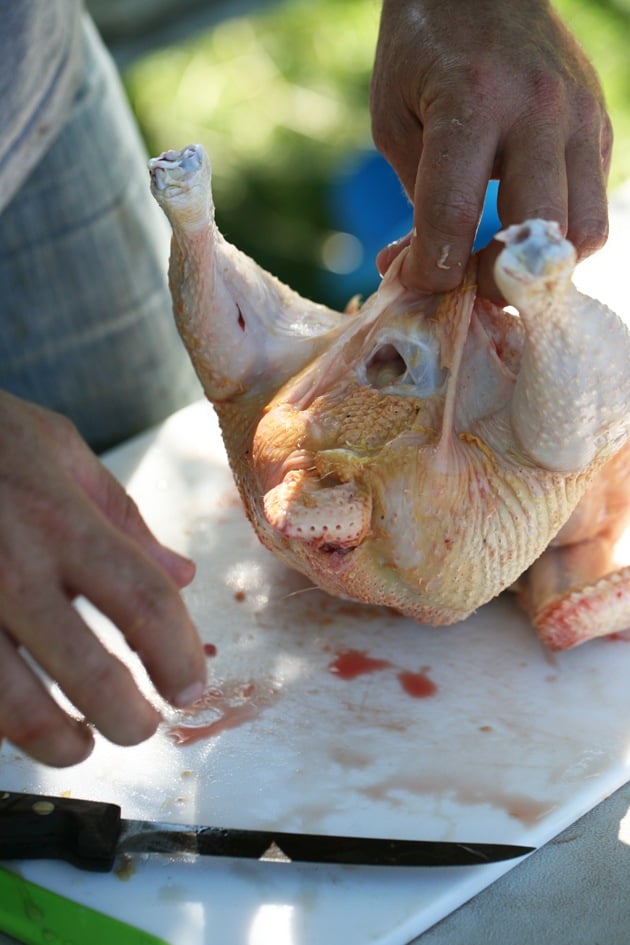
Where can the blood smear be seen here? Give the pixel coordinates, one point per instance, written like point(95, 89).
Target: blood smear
point(222, 707)
point(232, 717)
point(352, 663)
point(209, 649)
point(417, 685)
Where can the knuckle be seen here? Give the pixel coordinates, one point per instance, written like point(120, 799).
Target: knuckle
point(547, 92)
point(154, 601)
point(15, 584)
point(118, 506)
point(450, 218)
point(155, 605)
point(107, 694)
point(57, 429)
point(606, 143)
point(49, 736)
point(591, 117)
point(63, 428)
point(25, 730)
point(588, 235)
point(484, 84)
point(391, 133)
point(99, 682)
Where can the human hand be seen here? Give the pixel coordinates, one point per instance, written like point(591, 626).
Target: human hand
point(463, 92)
point(68, 528)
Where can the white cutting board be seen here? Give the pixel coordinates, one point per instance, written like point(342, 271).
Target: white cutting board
point(512, 746)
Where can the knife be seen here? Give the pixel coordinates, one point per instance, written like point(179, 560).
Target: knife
point(91, 834)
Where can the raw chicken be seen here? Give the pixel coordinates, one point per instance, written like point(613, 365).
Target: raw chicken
point(421, 452)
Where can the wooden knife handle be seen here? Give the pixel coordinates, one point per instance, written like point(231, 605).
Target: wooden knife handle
point(84, 833)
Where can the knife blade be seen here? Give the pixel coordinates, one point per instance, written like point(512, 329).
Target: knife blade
point(91, 834)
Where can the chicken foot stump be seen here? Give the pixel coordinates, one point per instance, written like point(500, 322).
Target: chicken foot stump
point(423, 452)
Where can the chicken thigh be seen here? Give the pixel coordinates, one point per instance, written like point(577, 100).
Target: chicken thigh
point(424, 452)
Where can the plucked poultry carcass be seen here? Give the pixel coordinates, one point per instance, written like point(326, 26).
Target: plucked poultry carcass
point(423, 452)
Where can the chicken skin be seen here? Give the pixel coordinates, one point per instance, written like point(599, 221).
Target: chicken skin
point(424, 452)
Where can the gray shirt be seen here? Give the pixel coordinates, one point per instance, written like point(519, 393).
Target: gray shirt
point(40, 59)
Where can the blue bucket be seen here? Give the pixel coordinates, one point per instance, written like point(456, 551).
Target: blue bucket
point(367, 204)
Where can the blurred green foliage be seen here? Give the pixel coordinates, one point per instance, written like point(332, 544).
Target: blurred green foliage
point(279, 99)
point(603, 29)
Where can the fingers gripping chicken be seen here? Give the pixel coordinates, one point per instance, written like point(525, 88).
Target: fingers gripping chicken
point(422, 452)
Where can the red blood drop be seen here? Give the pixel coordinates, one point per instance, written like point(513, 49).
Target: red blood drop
point(352, 663)
point(417, 685)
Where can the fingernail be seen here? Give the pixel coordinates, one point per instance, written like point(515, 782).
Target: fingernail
point(189, 695)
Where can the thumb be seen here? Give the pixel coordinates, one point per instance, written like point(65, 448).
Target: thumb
point(386, 256)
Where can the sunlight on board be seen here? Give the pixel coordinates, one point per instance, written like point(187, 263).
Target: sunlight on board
point(624, 828)
point(272, 923)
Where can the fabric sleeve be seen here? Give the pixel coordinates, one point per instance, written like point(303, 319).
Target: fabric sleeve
point(40, 60)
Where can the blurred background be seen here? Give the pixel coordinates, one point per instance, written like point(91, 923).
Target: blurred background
point(277, 91)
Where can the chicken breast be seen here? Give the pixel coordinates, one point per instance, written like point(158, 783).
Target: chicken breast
point(422, 452)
